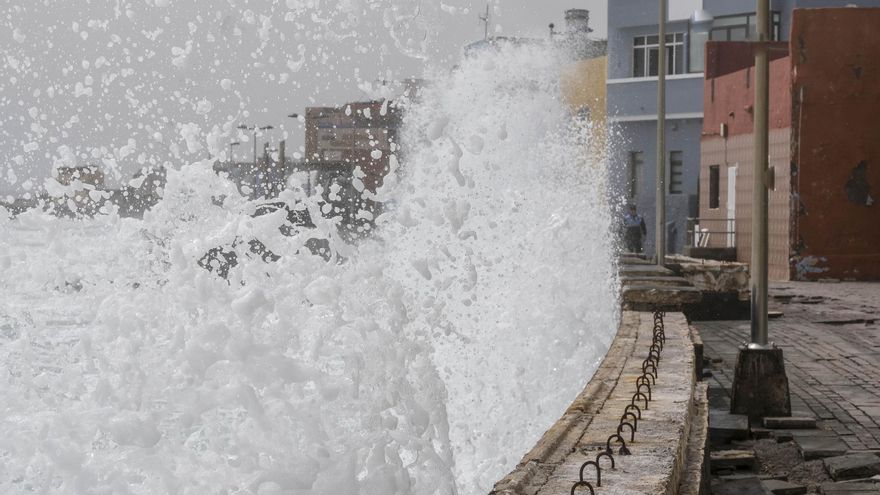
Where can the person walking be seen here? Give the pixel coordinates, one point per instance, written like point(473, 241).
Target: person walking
point(634, 230)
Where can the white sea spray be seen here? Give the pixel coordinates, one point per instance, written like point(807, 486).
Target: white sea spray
point(428, 361)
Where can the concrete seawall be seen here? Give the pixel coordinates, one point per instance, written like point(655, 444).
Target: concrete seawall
point(669, 445)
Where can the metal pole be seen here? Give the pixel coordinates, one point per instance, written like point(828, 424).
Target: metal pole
point(660, 228)
point(759, 186)
point(255, 146)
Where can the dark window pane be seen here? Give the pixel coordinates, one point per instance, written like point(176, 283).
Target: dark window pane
point(738, 34)
point(676, 172)
point(734, 20)
point(653, 40)
point(639, 41)
point(639, 62)
point(635, 169)
point(653, 61)
point(714, 186)
point(775, 30)
point(678, 68)
point(720, 34)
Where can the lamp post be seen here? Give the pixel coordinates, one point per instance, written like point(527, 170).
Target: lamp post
point(232, 145)
point(759, 184)
point(245, 127)
point(760, 385)
point(254, 129)
point(660, 208)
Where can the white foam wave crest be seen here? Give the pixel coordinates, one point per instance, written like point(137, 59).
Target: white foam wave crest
point(426, 362)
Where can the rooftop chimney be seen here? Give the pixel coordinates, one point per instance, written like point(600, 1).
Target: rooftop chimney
point(578, 21)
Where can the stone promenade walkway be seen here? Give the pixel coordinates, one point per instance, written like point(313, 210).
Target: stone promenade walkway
point(830, 335)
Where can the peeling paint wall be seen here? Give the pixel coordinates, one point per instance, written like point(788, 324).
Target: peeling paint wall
point(835, 63)
point(728, 99)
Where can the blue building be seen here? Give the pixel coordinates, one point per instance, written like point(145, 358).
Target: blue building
point(632, 94)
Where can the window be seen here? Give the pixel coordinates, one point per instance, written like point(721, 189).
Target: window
point(714, 186)
point(646, 55)
point(676, 172)
point(742, 27)
point(636, 159)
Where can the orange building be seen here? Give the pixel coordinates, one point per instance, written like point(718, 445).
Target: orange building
point(824, 150)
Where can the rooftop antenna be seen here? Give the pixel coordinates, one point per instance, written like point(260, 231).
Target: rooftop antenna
point(485, 19)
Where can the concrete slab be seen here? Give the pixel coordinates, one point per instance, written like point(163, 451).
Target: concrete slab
point(759, 433)
point(790, 423)
point(650, 270)
point(852, 466)
point(819, 444)
point(656, 280)
point(732, 459)
point(719, 398)
point(637, 262)
point(660, 296)
point(746, 486)
point(659, 455)
point(779, 487)
point(725, 427)
point(783, 436)
point(849, 489)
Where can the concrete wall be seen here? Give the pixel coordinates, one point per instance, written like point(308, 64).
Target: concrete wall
point(729, 98)
point(729, 92)
point(836, 149)
point(738, 151)
point(682, 135)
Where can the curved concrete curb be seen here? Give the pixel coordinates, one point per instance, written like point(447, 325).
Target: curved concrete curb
point(667, 453)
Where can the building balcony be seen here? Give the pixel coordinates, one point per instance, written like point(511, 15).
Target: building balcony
point(635, 99)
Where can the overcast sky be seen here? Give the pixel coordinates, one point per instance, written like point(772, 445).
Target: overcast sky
point(131, 83)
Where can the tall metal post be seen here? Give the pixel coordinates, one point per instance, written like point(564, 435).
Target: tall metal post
point(485, 18)
point(759, 185)
point(660, 213)
point(255, 147)
point(232, 145)
point(760, 384)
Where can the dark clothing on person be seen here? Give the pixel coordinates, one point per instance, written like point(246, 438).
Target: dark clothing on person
point(634, 232)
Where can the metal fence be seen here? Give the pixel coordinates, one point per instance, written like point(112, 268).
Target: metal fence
point(706, 232)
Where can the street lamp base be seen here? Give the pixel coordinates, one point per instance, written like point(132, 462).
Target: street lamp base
point(760, 385)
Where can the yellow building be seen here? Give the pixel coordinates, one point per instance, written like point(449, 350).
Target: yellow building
point(583, 89)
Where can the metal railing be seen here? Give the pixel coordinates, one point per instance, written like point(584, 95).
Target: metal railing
point(706, 232)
